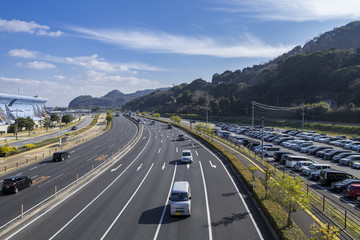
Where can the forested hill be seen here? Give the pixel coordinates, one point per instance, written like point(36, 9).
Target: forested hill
point(303, 78)
point(114, 99)
point(344, 38)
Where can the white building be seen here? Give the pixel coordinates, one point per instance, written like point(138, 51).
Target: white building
point(15, 106)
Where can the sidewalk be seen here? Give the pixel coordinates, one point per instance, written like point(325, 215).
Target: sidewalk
point(14, 162)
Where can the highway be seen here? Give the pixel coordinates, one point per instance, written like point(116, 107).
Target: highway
point(129, 200)
point(47, 174)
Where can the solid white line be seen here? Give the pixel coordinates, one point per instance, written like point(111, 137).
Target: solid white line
point(91, 201)
point(238, 191)
point(165, 206)
point(206, 202)
point(92, 157)
point(111, 145)
point(33, 168)
point(128, 202)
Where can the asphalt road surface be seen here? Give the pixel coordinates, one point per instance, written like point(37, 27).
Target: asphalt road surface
point(48, 174)
point(130, 199)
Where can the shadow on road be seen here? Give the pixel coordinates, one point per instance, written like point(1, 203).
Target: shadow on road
point(229, 220)
point(153, 216)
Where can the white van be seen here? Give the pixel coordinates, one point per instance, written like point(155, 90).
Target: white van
point(291, 160)
point(180, 199)
point(269, 151)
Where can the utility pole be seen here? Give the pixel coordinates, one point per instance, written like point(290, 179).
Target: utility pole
point(262, 138)
point(252, 107)
point(303, 116)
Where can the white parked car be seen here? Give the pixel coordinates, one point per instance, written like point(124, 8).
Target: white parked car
point(314, 167)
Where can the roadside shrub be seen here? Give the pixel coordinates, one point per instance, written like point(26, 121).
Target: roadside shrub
point(30, 146)
point(7, 150)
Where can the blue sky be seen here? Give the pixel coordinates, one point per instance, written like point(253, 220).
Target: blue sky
point(62, 49)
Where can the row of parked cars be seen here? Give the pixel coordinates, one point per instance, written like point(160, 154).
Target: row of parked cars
point(305, 142)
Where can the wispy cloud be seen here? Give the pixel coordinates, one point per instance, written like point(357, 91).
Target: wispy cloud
point(60, 77)
point(37, 65)
point(162, 42)
point(292, 10)
point(23, 53)
point(27, 27)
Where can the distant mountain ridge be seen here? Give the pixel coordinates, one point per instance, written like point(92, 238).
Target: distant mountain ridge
point(113, 99)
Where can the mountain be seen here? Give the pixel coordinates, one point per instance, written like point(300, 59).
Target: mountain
point(344, 38)
point(327, 68)
point(113, 99)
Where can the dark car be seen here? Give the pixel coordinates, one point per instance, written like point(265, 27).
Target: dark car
point(331, 154)
point(342, 185)
point(180, 137)
point(60, 156)
point(169, 126)
point(74, 128)
point(328, 176)
point(278, 155)
point(16, 183)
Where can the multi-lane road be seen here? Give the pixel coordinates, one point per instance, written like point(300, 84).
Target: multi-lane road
point(129, 199)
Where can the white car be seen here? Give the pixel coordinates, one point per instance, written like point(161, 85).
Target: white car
point(186, 156)
point(314, 168)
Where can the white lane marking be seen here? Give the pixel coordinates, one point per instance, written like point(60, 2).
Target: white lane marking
point(161, 141)
point(114, 169)
point(72, 151)
point(163, 167)
point(206, 202)
point(34, 176)
point(238, 191)
point(188, 165)
point(1, 180)
point(196, 153)
point(160, 135)
point(165, 206)
point(33, 168)
point(155, 136)
point(144, 137)
point(177, 150)
point(193, 145)
point(19, 174)
point(51, 180)
point(111, 145)
point(139, 167)
point(72, 158)
point(78, 214)
point(159, 150)
point(212, 165)
point(128, 202)
point(92, 158)
point(172, 134)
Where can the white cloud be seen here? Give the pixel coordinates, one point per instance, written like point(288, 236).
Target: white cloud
point(23, 53)
point(60, 77)
point(37, 65)
point(167, 43)
point(28, 27)
point(292, 10)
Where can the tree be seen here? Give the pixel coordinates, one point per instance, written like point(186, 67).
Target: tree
point(324, 232)
point(55, 118)
point(20, 123)
point(29, 124)
point(289, 193)
point(109, 118)
point(156, 115)
point(47, 123)
point(175, 119)
point(66, 119)
point(269, 172)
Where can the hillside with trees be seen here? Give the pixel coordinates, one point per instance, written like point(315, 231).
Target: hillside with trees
point(326, 69)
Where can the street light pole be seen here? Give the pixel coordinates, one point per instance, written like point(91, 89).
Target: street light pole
point(262, 139)
point(252, 119)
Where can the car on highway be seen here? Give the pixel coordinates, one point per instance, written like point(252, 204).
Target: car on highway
point(74, 128)
point(180, 137)
point(353, 191)
point(186, 156)
point(169, 126)
point(60, 156)
point(16, 183)
point(180, 199)
point(342, 185)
